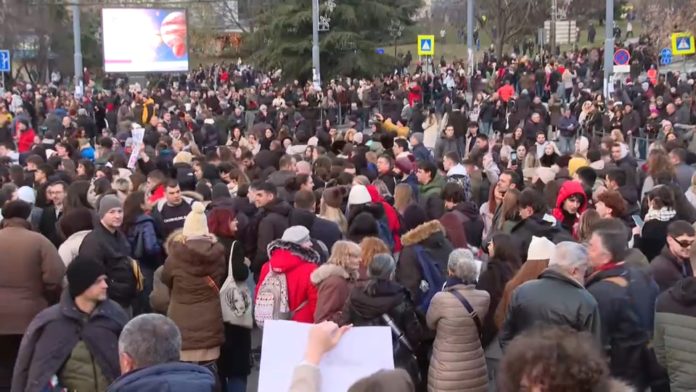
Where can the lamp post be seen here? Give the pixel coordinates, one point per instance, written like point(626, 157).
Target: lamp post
point(395, 31)
point(316, 72)
point(608, 46)
point(78, 49)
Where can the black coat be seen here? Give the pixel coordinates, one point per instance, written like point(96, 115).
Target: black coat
point(47, 225)
point(667, 270)
point(570, 305)
point(54, 333)
point(112, 251)
point(235, 353)
point(653, 238)
point(320, 229)
point(534, 226)
point(272, 221)
point(626, 299)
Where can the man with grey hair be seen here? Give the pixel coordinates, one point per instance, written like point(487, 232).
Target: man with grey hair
point(557, 297)
point(148, 351)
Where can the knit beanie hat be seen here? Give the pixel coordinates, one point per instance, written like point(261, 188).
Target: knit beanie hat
point(414, 216)
point(296, 234)
point(81, 274)
point(108, 203)
point(196, 224)
point(404, 164)
point(541, 248)
point(359, 195)
point(333, 197)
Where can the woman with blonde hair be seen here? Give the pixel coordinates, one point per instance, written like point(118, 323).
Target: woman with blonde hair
point(403, 197)
point(335, 279)
point(369, 247)
point(330, 207)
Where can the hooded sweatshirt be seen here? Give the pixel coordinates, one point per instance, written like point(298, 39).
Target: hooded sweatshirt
point(568, 189)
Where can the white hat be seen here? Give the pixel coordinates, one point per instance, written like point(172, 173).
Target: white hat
point(359, 195)
point(541, 248)
point(26, 194)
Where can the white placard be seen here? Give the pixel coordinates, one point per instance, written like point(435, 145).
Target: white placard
point(361, 352)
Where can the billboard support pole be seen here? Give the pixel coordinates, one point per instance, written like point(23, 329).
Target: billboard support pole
point(608, 46)
point(78, 49)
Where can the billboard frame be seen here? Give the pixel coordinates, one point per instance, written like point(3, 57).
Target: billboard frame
point(188, 53)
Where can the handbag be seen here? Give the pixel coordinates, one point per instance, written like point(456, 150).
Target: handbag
point(235, 298)
point(139, 248)
point(470, 309)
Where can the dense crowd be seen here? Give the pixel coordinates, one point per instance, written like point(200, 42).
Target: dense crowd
point(515, 229)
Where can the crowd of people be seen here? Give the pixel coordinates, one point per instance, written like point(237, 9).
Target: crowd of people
point(515, 230)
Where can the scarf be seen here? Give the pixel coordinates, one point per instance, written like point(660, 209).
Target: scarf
point(664, 214)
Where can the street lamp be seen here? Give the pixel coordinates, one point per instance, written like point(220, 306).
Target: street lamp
point(395, 31)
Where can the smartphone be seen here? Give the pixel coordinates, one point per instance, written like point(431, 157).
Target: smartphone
point(637, 220)
point(513, 158)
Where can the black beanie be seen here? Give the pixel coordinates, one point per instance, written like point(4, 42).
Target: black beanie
point(414, 216)
point(81, 274)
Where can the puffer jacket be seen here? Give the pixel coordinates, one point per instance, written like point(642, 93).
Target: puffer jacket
point(194, 303)
point(458, 362)
point(445, 145)
point(333, 285)
point(170, 377)
point(674, 340)
point(297, 263)
point(431, 236)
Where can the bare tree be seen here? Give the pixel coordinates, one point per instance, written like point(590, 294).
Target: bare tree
point(509, 20)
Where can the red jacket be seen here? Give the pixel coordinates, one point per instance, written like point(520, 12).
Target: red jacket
point(157, 194)
point(26, 140)
point(390, 213)
point(298, 264)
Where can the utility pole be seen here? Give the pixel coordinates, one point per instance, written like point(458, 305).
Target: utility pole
point(315, 44)
point(79, 88)
point(608, 46)
point(552, 30)
point(470, 35)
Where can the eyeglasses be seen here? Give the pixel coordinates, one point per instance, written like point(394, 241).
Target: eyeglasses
point(683, 243)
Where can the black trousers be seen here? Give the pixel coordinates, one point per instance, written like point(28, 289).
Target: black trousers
point(9, 348)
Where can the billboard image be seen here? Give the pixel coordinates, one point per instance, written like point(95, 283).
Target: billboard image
point(145, 40)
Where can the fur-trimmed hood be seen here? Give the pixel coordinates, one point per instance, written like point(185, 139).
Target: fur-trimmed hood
point(328, 270)
point(422, 232)
point(285, 255)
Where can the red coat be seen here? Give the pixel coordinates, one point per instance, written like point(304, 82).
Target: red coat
point(390, 213)
point(26, 140)
point(298, 264)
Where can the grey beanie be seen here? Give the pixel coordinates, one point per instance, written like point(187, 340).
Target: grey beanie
point(107, 203)
point(296, 234)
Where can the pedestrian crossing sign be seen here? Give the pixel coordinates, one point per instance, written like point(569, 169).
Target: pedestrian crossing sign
point(683, 44)
point(426, 45)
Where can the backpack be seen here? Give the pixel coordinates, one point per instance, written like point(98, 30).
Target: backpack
point(272, 299)
point(385, 234)
point(432, 280)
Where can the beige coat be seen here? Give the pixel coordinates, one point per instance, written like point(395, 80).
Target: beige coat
point(458, 362)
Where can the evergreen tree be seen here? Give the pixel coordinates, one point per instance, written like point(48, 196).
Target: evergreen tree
point(357, 28)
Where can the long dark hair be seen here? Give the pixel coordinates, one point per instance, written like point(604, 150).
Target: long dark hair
point(132, 209)
point(505, 250)
point(76, 196)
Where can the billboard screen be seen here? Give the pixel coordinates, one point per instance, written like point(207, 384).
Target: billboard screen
point(145, 40)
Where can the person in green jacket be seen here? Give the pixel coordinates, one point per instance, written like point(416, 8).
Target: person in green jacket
point(430, 186)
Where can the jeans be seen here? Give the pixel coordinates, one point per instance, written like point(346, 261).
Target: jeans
point(486, 128)
point(235, 384)
point(566, 144)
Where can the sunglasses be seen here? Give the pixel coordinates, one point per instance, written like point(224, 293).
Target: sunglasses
point(683, 243)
